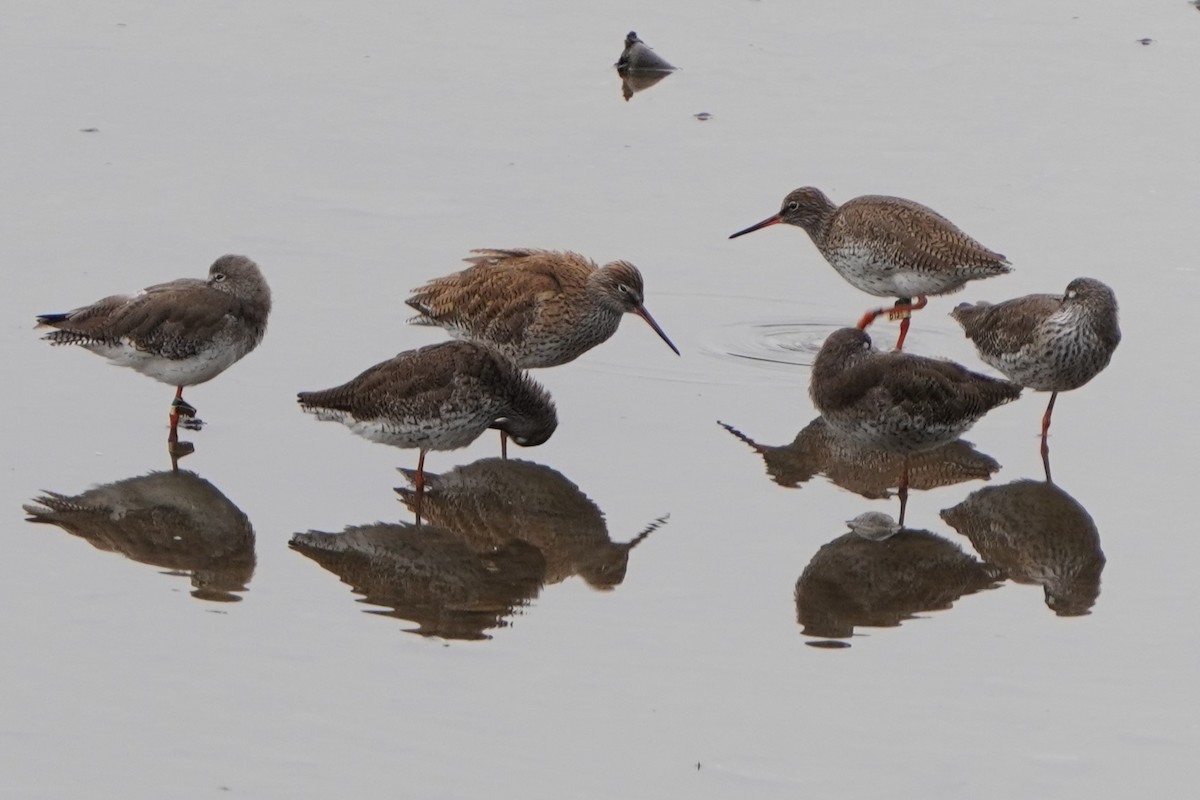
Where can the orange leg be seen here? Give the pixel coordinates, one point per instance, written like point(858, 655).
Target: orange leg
point(901, 311)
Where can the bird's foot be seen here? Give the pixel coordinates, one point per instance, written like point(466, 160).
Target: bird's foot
point(182, 407)
point(191, 424)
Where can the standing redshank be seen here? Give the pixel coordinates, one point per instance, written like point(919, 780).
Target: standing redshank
point(888, 247)
point(899, 402)
point(439, 397)
point(1047, 342)
point(180, 333)
point(540, 308)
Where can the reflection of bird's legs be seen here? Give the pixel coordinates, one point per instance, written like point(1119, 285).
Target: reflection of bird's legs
point(902, 489)
point(1045, 433)
point(419, 484)
point(504, 445)
point(175, 448)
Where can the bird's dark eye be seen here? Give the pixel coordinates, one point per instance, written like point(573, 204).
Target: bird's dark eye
point(623, 288)
point(792, 205)
point(220, 276)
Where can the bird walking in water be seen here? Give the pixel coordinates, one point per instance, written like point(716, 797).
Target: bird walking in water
point(439, 397)
point(898, 402)
point(888, 247)
point(181, 333)
point(1047, 342)
point(540, 308)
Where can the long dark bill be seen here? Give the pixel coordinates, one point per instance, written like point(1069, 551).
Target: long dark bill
point(644, 314)
point(775, 220)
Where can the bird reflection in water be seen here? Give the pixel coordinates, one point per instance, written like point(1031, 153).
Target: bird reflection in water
point(640, 67)
point(492, 502)
point(879, 575)
point(428, 575)
point(820, 449)
point(1036, 534)
point(175, 520)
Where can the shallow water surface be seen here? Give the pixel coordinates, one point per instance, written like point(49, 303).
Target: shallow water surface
point(650, 604)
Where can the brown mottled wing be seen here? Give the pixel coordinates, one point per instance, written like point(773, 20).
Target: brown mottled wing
point(174, 319)
point(925, 238)
point(1005, 327)
point(498, 296)
point(416, 383)
point(937, 389)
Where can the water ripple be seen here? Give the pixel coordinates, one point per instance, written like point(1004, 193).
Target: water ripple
point(774, 344)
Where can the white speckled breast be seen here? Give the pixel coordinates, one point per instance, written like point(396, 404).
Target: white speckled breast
point(871, 270)
point(455, 428)
point(1065, 354)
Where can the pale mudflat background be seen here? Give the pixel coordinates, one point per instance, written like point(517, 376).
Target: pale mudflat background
point(355, 149)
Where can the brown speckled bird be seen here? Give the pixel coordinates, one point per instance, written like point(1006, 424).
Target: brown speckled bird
point(899, 402)
point(888, 247)
point(180, 333)
point(540, 308)
point(1047, 342)
point(439, 397)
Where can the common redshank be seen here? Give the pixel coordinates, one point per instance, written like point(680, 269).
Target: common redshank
point(180, 333)
point(1047, 342)
point(540, 308)
point(898, 402)
point(439, 397)
point(888, 247)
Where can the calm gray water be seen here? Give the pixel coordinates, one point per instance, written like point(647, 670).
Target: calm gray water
point(355, 152)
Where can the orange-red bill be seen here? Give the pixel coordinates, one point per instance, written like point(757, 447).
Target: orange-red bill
point(644, 314)
point(775, 220)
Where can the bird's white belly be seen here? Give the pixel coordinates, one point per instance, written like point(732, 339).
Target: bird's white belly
point(204, 366)
point(871, 271)
point(448, 432)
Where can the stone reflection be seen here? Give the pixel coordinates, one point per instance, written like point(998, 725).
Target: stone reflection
point(879, 575)
point(819, 449)
point(492, 502)
point(175, 520)
point(1036, 534)
point(428, 575)
point(634, 82)
point(640, 67)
